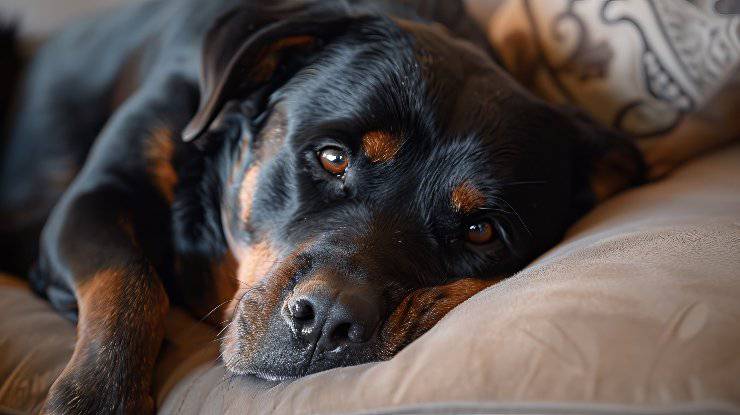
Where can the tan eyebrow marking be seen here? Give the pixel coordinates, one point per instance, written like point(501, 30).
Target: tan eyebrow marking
point(380, 146)
point(466, 198)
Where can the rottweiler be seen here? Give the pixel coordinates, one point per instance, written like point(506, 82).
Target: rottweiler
point(335, 175)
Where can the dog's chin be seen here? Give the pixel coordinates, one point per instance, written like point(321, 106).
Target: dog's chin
point(264, 375)
point(270, 368)
point(275, 367)
point(276, 370)
point(242, 357)
point(236, 365)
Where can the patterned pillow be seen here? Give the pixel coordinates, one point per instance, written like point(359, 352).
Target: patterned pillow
point(664, 71)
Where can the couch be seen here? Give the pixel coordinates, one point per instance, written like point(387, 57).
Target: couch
point(637, 310)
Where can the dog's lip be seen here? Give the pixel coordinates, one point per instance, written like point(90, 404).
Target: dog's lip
point(261, 374)
point(265, 375)
point(270, 377)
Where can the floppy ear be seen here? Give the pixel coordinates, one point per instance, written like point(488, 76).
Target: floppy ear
point(253, 47)
point(607, 161)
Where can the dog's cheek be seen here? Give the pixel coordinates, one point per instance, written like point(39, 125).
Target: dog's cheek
point(246, 193)
point(221, 293)
point(268, 144)
point(254, 263)
point(253, 307)
point(272, 136)
point(420, 310)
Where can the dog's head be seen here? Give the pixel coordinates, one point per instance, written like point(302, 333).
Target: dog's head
point(380, 172)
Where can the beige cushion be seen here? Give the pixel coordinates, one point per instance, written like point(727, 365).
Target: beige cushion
point(640, 67)
point(35, 344)
point(638, 306)
point(665, 71)
point(637, 310)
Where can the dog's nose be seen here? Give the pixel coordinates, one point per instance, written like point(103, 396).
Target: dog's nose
point(331, 321)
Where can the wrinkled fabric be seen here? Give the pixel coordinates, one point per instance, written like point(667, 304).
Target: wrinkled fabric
point(636, 311)
point(638, 307)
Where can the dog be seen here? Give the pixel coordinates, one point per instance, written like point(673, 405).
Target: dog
point(337, 175)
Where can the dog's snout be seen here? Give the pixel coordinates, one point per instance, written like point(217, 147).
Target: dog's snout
point(331, 320)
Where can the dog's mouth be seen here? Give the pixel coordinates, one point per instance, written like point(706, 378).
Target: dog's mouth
point(265, 375)
point(322, 307)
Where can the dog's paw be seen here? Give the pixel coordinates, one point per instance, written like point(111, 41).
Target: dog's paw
point(85, 392)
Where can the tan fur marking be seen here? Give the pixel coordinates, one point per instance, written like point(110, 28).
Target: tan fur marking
point(99, 296)
point(254, 262)
point(255, 271)
point(380, 146)
point(158, 152)
point(268, 144)
point(268, 58)
point(215, 303)
point(272, 135)
point(121, 317)
point(246, 193)
point(422, 309)
point(466, 198)
point(95, 298)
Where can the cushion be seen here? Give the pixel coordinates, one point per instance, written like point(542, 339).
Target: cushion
point(664, 71)
point(636, 310)
point(638, 305)
point(640, 67)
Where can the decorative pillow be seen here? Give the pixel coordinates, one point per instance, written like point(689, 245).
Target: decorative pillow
point(665, 71)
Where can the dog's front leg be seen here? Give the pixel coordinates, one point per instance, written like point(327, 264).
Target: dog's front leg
point(120, 329)
point(97, 243)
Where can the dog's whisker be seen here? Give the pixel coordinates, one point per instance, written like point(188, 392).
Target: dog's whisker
point(512, 211)
point(219, 335)
point(224, 338)
point(202, 319)
point(224, 328)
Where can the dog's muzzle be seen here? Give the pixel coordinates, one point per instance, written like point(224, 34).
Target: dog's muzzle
point(330, 315)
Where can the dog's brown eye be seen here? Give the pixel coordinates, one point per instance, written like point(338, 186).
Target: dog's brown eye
point(479, 233)
point(333, 160)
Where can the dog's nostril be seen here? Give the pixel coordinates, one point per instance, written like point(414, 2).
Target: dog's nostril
point(356, 333)
point(348, 332)
point(302, 310)
point(340, 334)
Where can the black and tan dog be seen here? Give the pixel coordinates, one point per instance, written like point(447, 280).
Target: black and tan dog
point(341, 174)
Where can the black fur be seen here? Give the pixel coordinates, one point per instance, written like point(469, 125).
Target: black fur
point(228, 73)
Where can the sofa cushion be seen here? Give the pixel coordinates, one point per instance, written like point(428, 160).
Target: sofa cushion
point(635, 311)
point(640, 67)
point(637, 307)
point(35, 344)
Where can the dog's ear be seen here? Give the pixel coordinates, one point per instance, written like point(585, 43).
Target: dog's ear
point(607, 161)
point(251, 48)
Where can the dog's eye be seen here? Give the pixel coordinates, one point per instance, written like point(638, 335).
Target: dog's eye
point(334, 160)
point(479, 233)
